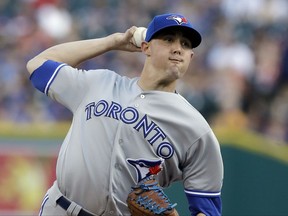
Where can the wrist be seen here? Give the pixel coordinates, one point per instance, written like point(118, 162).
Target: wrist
point(114, 41)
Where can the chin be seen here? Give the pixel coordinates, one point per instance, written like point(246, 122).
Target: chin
point(176, 73)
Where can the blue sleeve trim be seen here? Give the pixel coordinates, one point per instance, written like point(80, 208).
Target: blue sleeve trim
point(43, 76)
point(208, 205)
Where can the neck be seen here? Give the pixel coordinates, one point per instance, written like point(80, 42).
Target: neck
point(152, 79)
point(150, 85)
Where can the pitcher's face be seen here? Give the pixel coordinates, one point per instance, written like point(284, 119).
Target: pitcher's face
point(170, 52)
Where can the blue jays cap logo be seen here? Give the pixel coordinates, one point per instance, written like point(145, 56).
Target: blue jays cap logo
point(179, 20)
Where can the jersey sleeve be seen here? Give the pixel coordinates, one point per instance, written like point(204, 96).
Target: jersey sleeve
point(63, 83)
point(203, 176)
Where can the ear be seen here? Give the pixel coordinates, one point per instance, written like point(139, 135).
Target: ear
point(145, 47)
point(192, 54)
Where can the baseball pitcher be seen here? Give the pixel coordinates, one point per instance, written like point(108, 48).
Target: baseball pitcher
point(129, 137)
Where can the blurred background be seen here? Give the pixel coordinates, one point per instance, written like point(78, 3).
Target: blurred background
point(238, 80)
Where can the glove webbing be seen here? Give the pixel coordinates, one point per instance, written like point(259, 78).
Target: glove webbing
point(148, 203)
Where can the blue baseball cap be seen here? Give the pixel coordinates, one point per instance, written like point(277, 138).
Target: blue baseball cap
point(165, 21)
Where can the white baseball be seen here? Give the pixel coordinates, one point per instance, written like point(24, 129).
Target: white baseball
point(139, 36)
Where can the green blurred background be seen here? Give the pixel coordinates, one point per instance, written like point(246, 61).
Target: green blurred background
point(255, 180)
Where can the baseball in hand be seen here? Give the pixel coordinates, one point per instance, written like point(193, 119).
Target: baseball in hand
point(139, 36)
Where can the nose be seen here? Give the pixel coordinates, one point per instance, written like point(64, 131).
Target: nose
point(177, 48)
point(177, 52)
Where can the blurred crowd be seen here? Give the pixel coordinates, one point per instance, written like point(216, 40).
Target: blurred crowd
point(238, 76)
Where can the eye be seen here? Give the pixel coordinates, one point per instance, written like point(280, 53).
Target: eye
point(186, 44)
point(168, 38)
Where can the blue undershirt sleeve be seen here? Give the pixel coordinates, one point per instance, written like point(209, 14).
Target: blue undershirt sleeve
point(208, 205)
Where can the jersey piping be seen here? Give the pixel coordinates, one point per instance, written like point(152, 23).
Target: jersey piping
point(204, 194)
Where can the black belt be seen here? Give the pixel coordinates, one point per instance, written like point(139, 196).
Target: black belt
point(65, 203)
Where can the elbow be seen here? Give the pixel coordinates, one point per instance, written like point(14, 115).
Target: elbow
point(29, 66)
point(34, 63)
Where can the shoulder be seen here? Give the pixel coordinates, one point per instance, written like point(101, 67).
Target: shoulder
point(171, 111)
point(52, 72)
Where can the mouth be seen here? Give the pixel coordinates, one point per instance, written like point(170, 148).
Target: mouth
point(175, 60)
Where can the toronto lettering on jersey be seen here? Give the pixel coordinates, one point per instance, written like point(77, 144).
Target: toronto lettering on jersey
point(129, 115)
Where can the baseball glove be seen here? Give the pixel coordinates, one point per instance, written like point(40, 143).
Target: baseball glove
point(147, 199)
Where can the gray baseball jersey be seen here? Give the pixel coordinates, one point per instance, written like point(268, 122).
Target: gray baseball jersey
point(119, 131)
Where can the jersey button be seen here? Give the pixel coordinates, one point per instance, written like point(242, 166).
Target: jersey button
point(136, 105)
point(142, 96)
point(111, 212)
